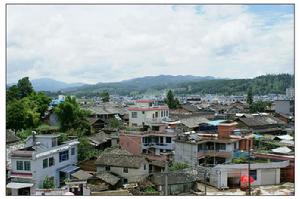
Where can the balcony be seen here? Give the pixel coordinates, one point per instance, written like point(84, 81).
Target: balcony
point(169, 146)
point(212, 153)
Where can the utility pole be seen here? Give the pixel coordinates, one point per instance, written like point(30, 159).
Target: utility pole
point(249, 159)
point(166, 178)
point(205, 189)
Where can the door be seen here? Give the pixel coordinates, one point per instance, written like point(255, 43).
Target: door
point(268, 177)
point(24, 191)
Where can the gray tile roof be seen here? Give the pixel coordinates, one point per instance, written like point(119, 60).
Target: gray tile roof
point(120, 158)
point(193, 122)
point(82, 175)
point(108, 178)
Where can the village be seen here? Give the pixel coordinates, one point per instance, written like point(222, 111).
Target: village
point(156, 145)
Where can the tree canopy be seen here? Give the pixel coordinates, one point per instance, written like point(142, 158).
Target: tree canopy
point(104, 96)
point(171, 101)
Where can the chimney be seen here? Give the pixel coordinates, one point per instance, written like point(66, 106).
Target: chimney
point(33, 138)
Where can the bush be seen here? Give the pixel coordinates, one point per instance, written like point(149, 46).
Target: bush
point(48, 183)
point(178, 166)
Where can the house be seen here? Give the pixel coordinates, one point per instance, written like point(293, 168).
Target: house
point(194, 123)
point(146, 112)
point(178, 182)
point(129, 167)
point(43, 155)
point(106, 111)
point(261, 123)
point(196, 148)
point(156, 145)
point(103, 140)
point(96, 123)
point(225, 176)
point(285, 107)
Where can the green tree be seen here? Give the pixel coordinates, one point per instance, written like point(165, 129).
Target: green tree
point(105, 96)
point(48, 183)
point(259, 106)
point(85, 150)
point(13, 93)
point(171, 101)
point(41, 101)
point(25, 87)
point(15, 115)
point(115, 123)
point(249, 96)
point(71, 116)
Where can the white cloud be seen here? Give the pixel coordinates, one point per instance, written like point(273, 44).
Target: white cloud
point(110, 43)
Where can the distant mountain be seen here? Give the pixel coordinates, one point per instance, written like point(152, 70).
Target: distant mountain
point(141, 84)
point(47, 84)
point(262, 85)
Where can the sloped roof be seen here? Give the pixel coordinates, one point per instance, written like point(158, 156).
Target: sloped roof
point(108, 178)
point(285, 137)
point(283, 150)
point(260, 120)
point(119, 158)
point(82, 175)
point(99, 138)
point(193, 122)
point(11, 137)
point(189, 107)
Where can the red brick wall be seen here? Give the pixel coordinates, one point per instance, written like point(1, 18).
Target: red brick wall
point(225, 130)
point(131, 143)
point(244, 144)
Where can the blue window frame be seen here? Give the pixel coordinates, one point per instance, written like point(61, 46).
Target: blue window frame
point(63, 156)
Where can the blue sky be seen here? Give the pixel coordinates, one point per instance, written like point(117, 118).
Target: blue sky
point(111, 43)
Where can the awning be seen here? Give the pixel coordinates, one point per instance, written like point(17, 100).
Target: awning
point(69, 169)
point(16, 185)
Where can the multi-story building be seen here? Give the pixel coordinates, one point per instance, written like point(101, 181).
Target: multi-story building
point(211, 148)
point(43, 155)
point(285, 107)
point(156, 145)
point(145, 112)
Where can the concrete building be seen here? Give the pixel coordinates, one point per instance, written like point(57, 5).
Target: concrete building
point(290, 93)
point(146, 112)
point(156, 145)
point(42, 156)
point(212, 148)
point(124, 165)
point(229, 175)
point(285, 107)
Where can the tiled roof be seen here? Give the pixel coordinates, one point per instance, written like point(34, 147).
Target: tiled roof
point(108, 178)
point(119, 158)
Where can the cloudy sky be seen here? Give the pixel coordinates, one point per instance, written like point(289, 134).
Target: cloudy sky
point(105, 43)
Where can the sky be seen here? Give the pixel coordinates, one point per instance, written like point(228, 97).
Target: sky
point(107, 43)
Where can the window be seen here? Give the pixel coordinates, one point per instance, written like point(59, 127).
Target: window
point(156, 114)
point(107, 168)
point(168, 139)
point(63, 156)
point(221, 146)
point(54, 142)
point(125, 170)
point(145, 167)
point(72, 151)
point(19, 165)
point(125, 181)
point(134, 114)
point(200, 147)
point(27, 166)
point(253, 173)
point(234, 145)
point(45, 163)
point(161, 113)
point(51, 161)
point(143, 112)
point(167, 113)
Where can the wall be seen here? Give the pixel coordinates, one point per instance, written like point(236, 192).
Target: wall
point(283, 106)
point(40, 173)
point(186, 152)
point(133, 175)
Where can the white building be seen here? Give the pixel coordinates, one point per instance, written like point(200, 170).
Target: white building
point(122, 165)
point(42, 156)
point(229, 175)
point(146, 112)
point(284, 106)
point(290, 93)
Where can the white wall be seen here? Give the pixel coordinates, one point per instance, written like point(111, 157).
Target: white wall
point(186, 152)
point(133, 175)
